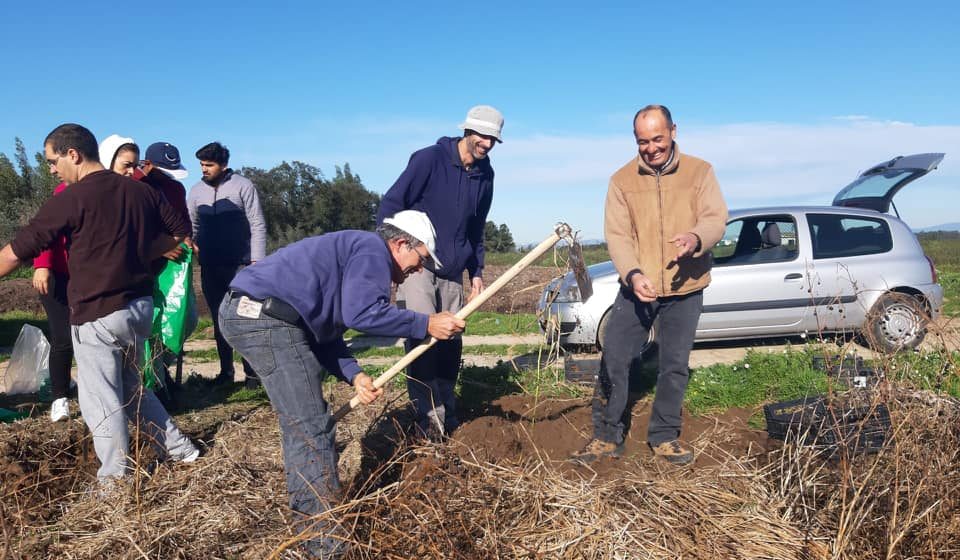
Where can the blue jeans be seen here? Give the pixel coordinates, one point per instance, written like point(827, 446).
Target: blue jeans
point(630, 323)
point(283, 355)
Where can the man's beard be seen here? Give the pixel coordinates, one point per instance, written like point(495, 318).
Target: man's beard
point(213, 181)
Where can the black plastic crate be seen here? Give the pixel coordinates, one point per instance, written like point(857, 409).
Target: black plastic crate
point(794, 416)
point(850, 370)
point(863, 429)
point(581, 370)
point(831, 427)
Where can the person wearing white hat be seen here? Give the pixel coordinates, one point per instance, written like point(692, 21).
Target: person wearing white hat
point(119, 154)
point(452, 182)
point(286, 316)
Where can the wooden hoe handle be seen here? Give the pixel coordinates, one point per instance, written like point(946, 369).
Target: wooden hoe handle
point(561, 230)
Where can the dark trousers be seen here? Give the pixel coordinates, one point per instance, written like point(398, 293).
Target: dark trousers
point(61, 340)
point(215, 281)
point(626, 333)
point(285, 356)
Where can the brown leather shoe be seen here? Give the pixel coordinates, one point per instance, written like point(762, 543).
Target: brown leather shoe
point(673, 452)
point(596, 449)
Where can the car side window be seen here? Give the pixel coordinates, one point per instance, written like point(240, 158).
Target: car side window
point(757, 240)
point(838, 235)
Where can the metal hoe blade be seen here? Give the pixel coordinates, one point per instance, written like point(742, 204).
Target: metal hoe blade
point(579, 268)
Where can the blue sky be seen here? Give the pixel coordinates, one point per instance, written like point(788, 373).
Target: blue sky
point(789, 102)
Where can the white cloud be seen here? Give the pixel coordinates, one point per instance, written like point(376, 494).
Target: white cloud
point(546, 177)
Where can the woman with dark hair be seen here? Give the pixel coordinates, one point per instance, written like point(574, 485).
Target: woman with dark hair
point(50, 278)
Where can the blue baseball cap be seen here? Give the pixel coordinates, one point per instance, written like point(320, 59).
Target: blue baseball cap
point(166, 157)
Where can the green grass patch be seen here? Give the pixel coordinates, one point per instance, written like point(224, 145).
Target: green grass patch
point(258, 395)
point(760, 377)
point(379, 352)
point(950, 280)
point(25, 271)
point(12, 321)
point(557, 258)
point(933, 371)
point(488, 323)
point(203, 331)
point(204, 355)
point(479, 350)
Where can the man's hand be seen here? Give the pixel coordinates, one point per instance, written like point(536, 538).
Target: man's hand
point(43, 281)
point(686, 244)
point(444, 325)
point(476, 286)
point(365, 389)
point(643, 288)
point(174, 254)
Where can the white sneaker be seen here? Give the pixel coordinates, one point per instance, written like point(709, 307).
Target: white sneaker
point(60, 410)
point(191, 456)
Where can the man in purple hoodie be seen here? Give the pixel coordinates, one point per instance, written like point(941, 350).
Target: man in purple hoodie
point(452, 182)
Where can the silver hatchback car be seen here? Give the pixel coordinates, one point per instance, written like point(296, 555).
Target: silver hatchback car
point(799, 270)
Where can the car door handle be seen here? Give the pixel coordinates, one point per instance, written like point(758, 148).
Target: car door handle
point(793, 276)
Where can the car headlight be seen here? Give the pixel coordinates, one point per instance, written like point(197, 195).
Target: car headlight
point(566, 291)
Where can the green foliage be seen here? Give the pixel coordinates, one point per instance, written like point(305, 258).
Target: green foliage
point(299, 202)
point(23, 189)
point(497, 239)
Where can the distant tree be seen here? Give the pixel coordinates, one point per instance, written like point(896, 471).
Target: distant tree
point(505, 242)
point(298, 201)
point(23, 189)
point(491, 236)
point(497, 239)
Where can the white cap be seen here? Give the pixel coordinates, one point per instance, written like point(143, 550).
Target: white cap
point(109, 146)
point(485, 120)
point(417, 224)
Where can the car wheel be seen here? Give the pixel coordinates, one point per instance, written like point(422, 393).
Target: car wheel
point(602, 330)
point(896, 322)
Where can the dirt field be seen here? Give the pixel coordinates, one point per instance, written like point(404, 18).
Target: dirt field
point(520, 295)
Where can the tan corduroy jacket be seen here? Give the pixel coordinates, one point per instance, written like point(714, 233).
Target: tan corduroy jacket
point(646, 208)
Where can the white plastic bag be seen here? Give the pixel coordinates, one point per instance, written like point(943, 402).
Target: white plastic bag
point(29, 365)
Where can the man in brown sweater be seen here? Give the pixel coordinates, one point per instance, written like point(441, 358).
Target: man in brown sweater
point(115, 228)
point(664, 211)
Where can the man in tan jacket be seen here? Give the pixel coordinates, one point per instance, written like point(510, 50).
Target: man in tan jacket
point(664, 211)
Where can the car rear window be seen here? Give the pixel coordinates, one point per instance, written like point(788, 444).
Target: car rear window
point(837, 235)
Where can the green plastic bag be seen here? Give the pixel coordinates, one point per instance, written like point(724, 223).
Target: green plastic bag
point(174, 314)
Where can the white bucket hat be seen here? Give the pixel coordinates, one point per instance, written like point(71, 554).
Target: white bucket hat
point(418, 225)
point(485, 120)
point(109, 146)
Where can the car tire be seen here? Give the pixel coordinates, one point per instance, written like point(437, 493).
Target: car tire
point(602, 330)
point(897, 322)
